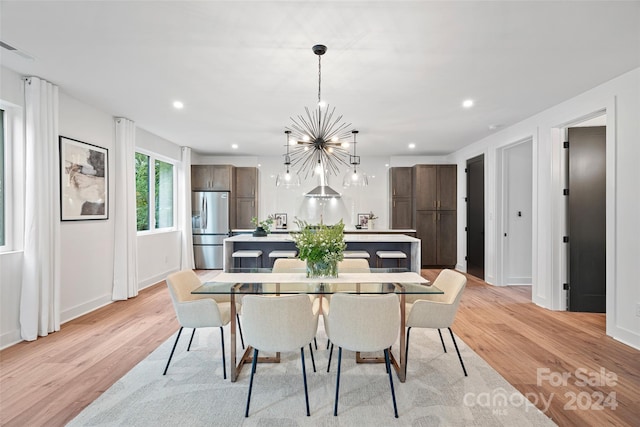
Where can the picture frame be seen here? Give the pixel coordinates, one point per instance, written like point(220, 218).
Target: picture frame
point(363, 220)
point(84, 181)
point(280, 220)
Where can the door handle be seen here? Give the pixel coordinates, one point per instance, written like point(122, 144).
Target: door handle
point(434, 217)
point(204, 209)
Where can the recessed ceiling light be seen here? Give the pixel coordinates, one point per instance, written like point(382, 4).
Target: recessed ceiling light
point(467, 103)
point(178, 105)
point(386, 165)
point(412, 146)
point(494, 127)
point(234, 146)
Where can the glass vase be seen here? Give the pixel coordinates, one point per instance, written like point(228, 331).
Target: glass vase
point(322, 269)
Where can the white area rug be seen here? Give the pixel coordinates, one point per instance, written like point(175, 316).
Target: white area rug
point(193, 392)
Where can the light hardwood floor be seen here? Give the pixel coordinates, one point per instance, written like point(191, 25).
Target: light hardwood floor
point(48, 381)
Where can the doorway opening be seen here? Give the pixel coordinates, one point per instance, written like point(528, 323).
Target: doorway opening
point(515, 213)
point(475, 216)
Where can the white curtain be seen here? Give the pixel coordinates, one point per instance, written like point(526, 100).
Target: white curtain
point(125, 263)
point(184, 208)
point(40, 292)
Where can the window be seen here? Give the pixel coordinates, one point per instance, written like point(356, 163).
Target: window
point(158, 211)
point(2, 183)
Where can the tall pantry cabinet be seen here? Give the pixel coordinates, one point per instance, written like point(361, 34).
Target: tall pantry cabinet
point(401, 209)
point(434, 193)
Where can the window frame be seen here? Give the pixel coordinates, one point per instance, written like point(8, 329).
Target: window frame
point(152, 191)
point(12, 121)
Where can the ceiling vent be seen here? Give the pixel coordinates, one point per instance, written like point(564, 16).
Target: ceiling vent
point(16, 51)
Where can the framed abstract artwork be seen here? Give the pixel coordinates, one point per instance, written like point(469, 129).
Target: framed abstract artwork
point(84, 178)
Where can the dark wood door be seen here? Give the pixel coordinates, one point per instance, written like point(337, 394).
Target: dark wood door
point(475, 216)
point(587, 219)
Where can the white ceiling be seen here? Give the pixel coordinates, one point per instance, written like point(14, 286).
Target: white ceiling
point(398, 71)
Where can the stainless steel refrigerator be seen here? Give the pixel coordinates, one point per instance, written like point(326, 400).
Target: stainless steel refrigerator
point(210, 222)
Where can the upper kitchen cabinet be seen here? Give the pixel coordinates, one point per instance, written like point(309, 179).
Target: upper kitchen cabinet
point(211, 177)
point(401, 179)
point(401, 206)
point(435, 187)
point(245, 196)
point(246, 182)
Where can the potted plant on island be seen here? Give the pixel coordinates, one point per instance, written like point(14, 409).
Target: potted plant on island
point(262, 227)
point(321, 246)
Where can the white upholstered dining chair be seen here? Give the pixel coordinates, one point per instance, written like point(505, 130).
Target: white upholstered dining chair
point(363, 323)
point(195, 311)
point(278, 324)
point(437, 311)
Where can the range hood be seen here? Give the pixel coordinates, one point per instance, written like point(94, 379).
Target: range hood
point(323, 192)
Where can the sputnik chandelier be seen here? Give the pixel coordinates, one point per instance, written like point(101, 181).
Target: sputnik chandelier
point(317, 143)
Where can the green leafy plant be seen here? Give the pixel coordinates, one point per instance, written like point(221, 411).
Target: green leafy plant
point(320, 243)
point(264, 224)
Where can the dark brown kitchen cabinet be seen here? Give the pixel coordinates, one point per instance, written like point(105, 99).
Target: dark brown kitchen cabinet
point(435, 187)
point(245, 209)
point(211, 177)
point(401, 181)
point(245, 197)
point(437, 231)
point(434, 192)
point(246, 182)
point(400, 196)
point(401, 213)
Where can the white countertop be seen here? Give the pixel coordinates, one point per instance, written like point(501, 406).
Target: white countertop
point(387, 238)
point(346, 230)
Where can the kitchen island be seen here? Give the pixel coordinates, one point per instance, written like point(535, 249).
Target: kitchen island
point(355, 242)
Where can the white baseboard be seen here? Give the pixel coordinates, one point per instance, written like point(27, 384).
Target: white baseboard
point(84, 308)
point(10, 338)
point(150, 281)
point(514, 281)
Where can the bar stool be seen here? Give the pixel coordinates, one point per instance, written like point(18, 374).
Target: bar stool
point(273, 255)
point(356, 254)
point(382, 255)
point(256, 254)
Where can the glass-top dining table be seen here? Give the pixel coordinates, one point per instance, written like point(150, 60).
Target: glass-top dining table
point(263, 281)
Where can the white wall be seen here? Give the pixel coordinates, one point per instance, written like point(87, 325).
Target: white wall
point(86, 246)
point(620, 98)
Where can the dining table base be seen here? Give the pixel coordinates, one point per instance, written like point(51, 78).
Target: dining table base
point(398, 364)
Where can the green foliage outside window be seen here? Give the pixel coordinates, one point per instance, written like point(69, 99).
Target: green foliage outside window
point(142, 192)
